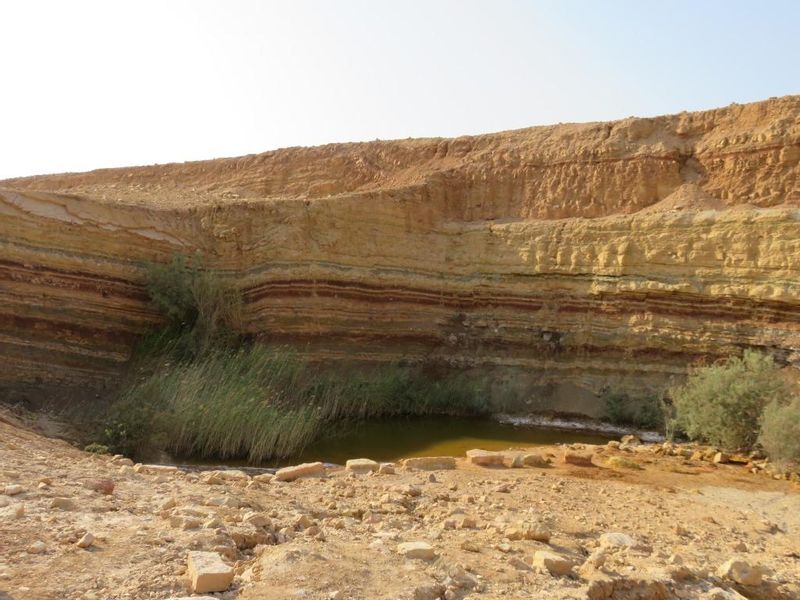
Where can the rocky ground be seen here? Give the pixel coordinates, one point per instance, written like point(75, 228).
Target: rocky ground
point(622, 521)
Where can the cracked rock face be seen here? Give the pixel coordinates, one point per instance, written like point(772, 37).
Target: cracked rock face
point(546, 255)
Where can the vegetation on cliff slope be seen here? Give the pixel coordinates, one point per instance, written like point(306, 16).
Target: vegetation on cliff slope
point(199, 388)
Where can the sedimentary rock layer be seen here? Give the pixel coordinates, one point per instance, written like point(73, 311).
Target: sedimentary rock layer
point(595, 254)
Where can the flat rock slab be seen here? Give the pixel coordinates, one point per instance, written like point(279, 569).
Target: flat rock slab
point(617, 540)
point(155, 469)
point(485, 458)
point(579, 459)
point(314, 469)
point(553, 563)
point(741, 572)
point(361, 465)
point(419, 550)
point(535, 460)
point(208, 573)
point(430, 463)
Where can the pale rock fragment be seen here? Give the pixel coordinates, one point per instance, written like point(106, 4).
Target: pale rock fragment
point(416, 550)
point(485, 458)
point(361, 466)
point(741, 572)
point(314, 469)
point(430, 463)
point(208, 573)
point(553, 563)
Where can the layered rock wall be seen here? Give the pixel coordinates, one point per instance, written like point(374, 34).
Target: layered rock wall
point(597, 254)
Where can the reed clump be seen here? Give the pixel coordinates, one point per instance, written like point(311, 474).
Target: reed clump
point(199, 388)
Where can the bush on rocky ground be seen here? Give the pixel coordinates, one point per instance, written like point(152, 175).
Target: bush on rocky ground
point(96, 448)
point(722, 404)
point(780, 430)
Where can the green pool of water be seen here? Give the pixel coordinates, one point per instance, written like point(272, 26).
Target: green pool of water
point(390, 440)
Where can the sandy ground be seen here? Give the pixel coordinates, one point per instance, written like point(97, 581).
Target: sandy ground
point(488, 529)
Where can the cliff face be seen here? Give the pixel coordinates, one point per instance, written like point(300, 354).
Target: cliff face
point(589, 255)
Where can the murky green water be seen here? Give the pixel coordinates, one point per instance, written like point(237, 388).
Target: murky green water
point(390, 440)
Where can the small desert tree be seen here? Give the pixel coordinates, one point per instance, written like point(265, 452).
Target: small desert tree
point(780, 430)
point(722, 404)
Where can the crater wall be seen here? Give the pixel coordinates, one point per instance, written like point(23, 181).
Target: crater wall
point(591, 255)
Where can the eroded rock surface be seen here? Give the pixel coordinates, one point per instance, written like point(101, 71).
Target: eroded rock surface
point(545, 255)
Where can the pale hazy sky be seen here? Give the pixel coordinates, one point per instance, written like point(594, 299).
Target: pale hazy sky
point(110, 83)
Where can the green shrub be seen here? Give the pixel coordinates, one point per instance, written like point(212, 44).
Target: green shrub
point(780, 430)
point(201, 309)
point(96, 448)
point(722, 404)
point(644, 412)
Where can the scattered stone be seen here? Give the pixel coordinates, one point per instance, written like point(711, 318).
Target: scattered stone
point(208, 573)
point(361, 466)
point(603, 587)
point(12, 513)
point(418, 550)
point(155, 469)
point(387, 469)
point(86, 541)
point(537, 533)
point(553, 563)
point(536, 460)
point(37, 547)
point(263, 477)
point(466, 523)
point(519, 564)
point(314, 469)
point(430, 463)
point(432, 591)
point(13, 489)
point(741, 572)
point(257, 520)
point(62, 503)
point(718, 593)
point(622, 462)
point(517, 462)
point(617, 540)
point(630, 440)
point(484, 458)
point(578, 459)
point(721, 458)
point(102, 486)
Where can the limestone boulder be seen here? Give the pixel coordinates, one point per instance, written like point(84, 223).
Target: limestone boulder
point(312, 469)
point(208, 573)
point(430, 463)
point(485, 458)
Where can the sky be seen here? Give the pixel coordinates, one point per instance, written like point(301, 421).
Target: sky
point(89, 84)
